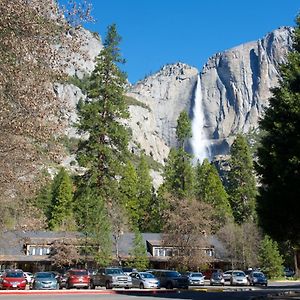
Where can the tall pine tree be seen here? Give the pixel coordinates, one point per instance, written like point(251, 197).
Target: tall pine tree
point(241, 181)
point(104, 151)
point(279, 154)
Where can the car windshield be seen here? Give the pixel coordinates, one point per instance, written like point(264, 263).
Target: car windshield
point(258, 275)
point(114, 271)
point(173, 274)
point(241, 274)
point(44, 275)
point(147, 275)
point(217, 275)
point(14, 274)
point(196, 275)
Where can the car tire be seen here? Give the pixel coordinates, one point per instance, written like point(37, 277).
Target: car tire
point(108, 285)
point(142, 286)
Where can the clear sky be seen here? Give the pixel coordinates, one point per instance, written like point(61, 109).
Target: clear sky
point(158, 32)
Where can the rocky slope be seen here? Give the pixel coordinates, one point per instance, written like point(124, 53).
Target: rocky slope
point(235, 89)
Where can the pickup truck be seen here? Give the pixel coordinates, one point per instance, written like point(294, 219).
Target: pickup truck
point(110, 277)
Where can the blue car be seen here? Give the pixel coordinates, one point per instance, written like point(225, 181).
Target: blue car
point(44, 281)
point(257, 278)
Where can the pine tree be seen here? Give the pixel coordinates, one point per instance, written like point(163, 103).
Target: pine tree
point(270, 259)
point(242, 189)
point(209, 188)
point(279, 153)
point(129, 194)
point(145, 195)
point(62, 217)
point(139, 258)
point(104, 151)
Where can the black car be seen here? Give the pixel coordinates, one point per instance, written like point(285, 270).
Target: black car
point(171, 279)
point(257, 278)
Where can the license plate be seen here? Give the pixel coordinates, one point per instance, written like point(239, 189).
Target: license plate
point(15, 285)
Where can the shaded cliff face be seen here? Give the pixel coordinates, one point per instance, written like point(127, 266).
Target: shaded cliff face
point(235, 90)
point(236, 86)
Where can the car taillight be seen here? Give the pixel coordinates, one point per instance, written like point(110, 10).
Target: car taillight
point(24, 281)
point(5, 281)
point(72, 277)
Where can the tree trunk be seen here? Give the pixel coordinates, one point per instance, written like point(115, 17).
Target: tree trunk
point(296, 262)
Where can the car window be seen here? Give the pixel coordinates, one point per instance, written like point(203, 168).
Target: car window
point(44, 275)
point(238, 274)
point(114, 271)
point(173, 274)
point(80, 273)
point(14, 274)
point(196, 275)
point(147, 275)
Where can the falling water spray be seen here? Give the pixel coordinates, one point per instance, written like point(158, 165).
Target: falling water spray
point(199, 141)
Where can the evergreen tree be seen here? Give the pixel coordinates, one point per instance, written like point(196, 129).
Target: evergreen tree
point(270, 259)
point(279, 154)
point(209, 188)
point(62, 217)
point(105, 150)
point(139, 258)
point(179, 174)
point(103, 153)
point(145, 195)
point(184, 128)
point(241, 181)
point(129, 194)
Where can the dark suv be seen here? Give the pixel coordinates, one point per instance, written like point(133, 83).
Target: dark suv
point(171, 279)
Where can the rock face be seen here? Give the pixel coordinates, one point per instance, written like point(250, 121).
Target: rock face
point(236, 86)
point(235, 90)
point(166, 94)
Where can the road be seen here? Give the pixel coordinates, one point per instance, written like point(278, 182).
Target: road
point(202, 293)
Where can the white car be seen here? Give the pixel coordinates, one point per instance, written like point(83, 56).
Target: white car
point(29, 277)
point(238, 278)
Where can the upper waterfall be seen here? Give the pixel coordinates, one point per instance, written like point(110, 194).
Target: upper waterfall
point(199, 141)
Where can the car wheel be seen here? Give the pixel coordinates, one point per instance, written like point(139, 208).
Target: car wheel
point(142, 286)
point(108, 285)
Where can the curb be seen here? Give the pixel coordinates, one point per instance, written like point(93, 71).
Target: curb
point(85, 292)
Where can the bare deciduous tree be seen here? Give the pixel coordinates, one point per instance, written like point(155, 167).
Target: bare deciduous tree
point(187, 225)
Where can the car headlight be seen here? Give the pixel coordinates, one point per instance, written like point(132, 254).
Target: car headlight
point(129, 278)
point(255, 279)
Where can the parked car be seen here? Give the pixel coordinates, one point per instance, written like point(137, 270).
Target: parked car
point(62, 279)
point(29, 277)
point(13, 279)
point(111, 277)
point(195, 278)
point(238, 277)
point(257, 278)
point(44, 281)
point(289, 272)
point(171, 279)
point(227, 275)
point(77, 279)
point(217, 279)
point(144, 280)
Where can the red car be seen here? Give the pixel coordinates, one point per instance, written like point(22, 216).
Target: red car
point(13, 280)
point(77, 279)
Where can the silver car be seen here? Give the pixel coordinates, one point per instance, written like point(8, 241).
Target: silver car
point(144, 280)
point(195, 278)
point(238, 278)
point(44, 281)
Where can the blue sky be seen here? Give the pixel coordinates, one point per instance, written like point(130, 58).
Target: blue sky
point(157, 32)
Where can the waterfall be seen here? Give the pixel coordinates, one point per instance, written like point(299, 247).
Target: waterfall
point(199, 141)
